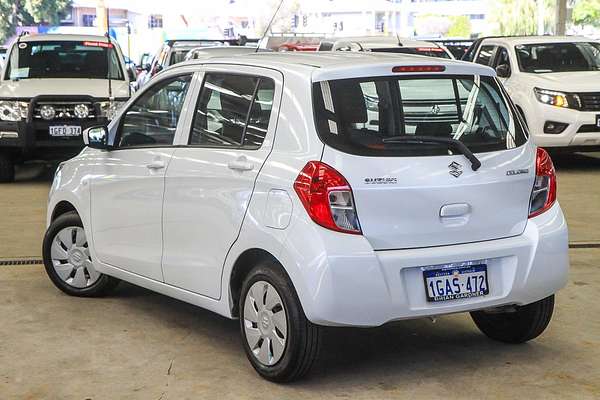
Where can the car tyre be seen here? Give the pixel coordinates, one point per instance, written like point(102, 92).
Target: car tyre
point(518, 326)
point(68, 262)
point(7, 168)
point(268, 300)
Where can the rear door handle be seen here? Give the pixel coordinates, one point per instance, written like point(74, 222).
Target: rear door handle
point(241, 164)
point(156, 164)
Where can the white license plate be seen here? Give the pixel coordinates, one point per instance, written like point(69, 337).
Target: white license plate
point(65, 130)
point(452, 282)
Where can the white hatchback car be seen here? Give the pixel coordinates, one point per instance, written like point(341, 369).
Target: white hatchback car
point(294, 191)
point(554, 82)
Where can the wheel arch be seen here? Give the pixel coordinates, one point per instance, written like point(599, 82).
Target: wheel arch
point(62, 207)
point(241, 267)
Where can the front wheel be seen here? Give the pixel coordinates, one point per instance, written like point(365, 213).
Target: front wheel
point(68, 262)
point(516, 326)
point(279, 341)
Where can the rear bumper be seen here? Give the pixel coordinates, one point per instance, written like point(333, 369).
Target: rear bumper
point(347, 283)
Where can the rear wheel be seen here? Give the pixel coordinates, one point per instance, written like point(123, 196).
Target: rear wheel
point(279, 341)
point(516, 326)
point(68, 262)
point(7, 168)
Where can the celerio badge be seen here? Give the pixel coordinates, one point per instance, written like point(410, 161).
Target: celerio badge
point(455, 169)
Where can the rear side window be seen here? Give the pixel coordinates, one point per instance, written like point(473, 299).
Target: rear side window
point(233, 111)
point(358, 116)
point(485, 55)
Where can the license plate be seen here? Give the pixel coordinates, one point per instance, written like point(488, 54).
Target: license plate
point(451, 282)
point(65, 130)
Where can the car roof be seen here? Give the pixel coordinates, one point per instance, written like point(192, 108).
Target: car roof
point(520, 40)
point(341, 65)
point(61, 37)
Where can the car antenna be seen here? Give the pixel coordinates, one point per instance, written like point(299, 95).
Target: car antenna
point(110, 92)
point(269, 25)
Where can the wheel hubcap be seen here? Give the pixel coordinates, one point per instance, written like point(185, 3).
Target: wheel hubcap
point(265, 323)
point(71, 258)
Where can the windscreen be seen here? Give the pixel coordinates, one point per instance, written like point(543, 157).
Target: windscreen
point(558, 57)
point(64, 59)
point(364, 116)
point(422, 51)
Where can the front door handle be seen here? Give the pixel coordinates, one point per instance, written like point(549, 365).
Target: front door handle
point(156, 164)
point(241, 164)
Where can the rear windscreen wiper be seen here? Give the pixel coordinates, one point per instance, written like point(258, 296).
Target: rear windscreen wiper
point(452, 144)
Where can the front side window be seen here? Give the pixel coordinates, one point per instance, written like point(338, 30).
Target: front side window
point(152, 119)
point(232, 111)
point(558, 57)
point(364, 116)
point(64, 59)
point(485, 55)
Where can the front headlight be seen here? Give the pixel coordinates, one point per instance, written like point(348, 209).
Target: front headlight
point(109, 109)
point(557, 99)
point(13, 110)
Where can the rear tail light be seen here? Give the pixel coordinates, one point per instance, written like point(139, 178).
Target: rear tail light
point(327, 197)
point(543, 194)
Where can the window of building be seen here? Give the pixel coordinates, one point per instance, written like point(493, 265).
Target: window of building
point(155, 21)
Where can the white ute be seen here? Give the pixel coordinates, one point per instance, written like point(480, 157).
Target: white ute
point(555, 83)
point(294, 191)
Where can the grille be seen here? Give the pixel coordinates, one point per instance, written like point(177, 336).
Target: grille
point(589, 101)
point(64, 110)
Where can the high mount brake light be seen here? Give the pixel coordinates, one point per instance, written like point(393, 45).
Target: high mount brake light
point(543, 195)
point(327, 197)
point(419, 68)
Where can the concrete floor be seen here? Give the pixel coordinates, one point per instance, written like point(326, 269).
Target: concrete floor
point(139, 345)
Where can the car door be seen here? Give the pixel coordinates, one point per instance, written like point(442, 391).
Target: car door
point(128, 186)
point(210, 181)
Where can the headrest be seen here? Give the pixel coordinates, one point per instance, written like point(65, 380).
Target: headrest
point(349, 102)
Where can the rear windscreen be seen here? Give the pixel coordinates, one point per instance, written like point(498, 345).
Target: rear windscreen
point(359, 116)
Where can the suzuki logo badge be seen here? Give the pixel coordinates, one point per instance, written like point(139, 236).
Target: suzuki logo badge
point(455, 169)
point(435, 109)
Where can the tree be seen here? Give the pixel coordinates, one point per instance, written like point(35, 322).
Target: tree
point(519, 17)
point(587, 12)
point(15, 13)
point(460, 27)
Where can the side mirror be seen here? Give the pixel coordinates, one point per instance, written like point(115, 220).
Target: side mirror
point(96, 137)
point(503, 70)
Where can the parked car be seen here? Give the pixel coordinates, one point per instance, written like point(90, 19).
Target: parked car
point(458, 47)
point(385, 44)
point(554, 82)
point(171, 53)
point(296, 191)
point(298, 46)
point(220, 51)
point(52, 88)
